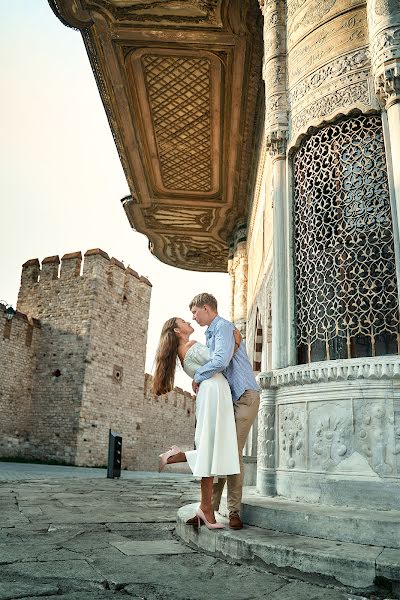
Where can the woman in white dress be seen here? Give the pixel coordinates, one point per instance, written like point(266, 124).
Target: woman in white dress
point(216, 451)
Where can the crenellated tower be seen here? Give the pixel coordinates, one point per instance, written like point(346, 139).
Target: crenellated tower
point(90, 369)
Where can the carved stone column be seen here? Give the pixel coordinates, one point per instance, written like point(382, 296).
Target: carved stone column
point(239, 278)
point(388, 89)
point(384, 36)
point(276, 142)
point(231, 272)
point(266, 474)
point(276, 123)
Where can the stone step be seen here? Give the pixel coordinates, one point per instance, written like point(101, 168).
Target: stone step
point(342, 524)
point(355, 566)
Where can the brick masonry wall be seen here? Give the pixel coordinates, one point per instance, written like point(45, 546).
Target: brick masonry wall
point(167, 420)
point(19, 342)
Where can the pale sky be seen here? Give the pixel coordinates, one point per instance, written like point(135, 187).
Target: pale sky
point(61, 180)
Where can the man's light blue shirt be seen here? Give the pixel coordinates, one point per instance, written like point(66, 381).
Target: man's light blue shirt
point(235, 366)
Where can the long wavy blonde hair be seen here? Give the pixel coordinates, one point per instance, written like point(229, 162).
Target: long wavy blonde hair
point(166, 358)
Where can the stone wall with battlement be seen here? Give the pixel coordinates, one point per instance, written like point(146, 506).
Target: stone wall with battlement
point(73, 366)
point(19, 343)
point(167, 419)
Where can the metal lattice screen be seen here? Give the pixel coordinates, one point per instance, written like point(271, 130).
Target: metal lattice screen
point(345, 273)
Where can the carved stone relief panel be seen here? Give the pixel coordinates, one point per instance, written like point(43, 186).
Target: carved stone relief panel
point(195, 251)
point(181, 13)
point(304, 17)
point(326, 76)
point(342, 34)
point(159, 217)
point(375, 434)
point(328, 60)
point(330, 434)
point(266, 436)
point(340, 83)
point(292, 436)
point(385, 45)
point(348, 95)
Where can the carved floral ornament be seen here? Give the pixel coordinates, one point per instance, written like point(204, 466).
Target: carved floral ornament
point(348, 63)
point(387, 85)
point(276, 142)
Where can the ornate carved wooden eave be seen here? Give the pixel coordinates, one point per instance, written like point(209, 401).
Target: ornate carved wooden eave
point(179, 81)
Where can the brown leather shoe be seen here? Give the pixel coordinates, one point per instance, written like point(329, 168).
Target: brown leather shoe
point(235, 522)
point(194, 521)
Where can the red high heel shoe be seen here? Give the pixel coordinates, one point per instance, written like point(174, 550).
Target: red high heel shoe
point(165, 456)
point(202, 517)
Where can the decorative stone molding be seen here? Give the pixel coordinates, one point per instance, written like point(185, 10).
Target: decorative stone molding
point(385, 46)
point(335, 68)
point(382, 367)
point(347, 33)
point(384, 40)
point(356, 95)
point(387, 85)
point(276, 142)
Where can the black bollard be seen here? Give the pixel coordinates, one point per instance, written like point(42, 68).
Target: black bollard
point(114, 455)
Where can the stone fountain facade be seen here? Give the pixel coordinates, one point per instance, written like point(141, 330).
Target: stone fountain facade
point(298, 103)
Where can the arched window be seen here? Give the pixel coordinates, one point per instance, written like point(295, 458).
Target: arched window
point(345, 273)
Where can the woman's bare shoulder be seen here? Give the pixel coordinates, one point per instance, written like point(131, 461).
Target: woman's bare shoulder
point(184, 348)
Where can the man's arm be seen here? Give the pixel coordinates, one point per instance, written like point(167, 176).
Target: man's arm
point(223, 352)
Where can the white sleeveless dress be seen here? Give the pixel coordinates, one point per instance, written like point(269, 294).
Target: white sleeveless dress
point(215, 437)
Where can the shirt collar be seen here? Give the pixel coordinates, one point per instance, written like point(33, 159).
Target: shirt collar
point(212, 325)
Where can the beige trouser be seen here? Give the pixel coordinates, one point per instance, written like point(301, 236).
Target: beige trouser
point(245, 409)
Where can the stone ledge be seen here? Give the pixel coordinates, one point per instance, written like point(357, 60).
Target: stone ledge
point(380, 367)
point(337, 523)
point(353, 565)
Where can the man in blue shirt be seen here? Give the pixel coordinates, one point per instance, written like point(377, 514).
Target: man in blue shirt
point(245, 391)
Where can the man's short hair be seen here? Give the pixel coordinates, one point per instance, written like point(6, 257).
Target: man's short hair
point(202, 299)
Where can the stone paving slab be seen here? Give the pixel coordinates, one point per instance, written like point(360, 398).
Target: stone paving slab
point(15, 590)
point(62, 536)
point(143, 548)
point(10, 471)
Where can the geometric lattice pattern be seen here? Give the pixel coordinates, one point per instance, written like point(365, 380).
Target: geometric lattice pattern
point(345, 274)
point(179, 97)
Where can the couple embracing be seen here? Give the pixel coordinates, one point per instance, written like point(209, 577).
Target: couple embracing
point(227, 400)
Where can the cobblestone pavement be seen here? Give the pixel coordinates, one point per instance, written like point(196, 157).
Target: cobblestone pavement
point(82, 537)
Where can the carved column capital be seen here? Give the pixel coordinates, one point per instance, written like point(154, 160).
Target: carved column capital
point(387, 84)
point(276, 142)
point(266, 381)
